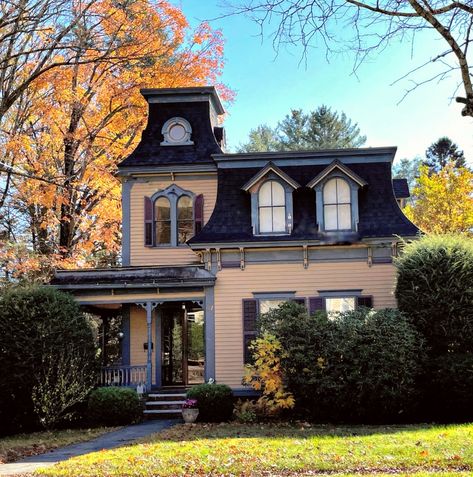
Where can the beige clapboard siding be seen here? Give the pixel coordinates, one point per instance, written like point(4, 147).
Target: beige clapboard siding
point(138, 336)
point(233, 285)
point(141, 255)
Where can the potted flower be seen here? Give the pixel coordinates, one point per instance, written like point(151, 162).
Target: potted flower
point(190, 411)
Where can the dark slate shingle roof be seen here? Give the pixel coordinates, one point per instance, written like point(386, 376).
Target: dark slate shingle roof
point(401, 188)
point(380, 215)
point(149, 151)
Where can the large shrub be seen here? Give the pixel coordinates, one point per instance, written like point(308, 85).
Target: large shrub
point(358, 366)
point(435, 289)
point(42, 332)
point(215, 401)
point(114, 406)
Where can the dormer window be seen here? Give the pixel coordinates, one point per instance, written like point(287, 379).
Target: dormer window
point(336, 198)
point(272, 208)
point(176, 132)
point(337, 205)
point(271, 201)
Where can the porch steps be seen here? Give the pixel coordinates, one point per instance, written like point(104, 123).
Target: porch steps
point(164, 405)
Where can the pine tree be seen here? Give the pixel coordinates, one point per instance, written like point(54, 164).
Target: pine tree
point(443, 152)
point(319, 129)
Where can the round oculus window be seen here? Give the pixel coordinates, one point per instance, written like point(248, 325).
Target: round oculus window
point(177, 132)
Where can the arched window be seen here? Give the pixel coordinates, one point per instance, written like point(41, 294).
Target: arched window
point(337, 205)
point(272, 208)
point(162, 215)
point(185, 219)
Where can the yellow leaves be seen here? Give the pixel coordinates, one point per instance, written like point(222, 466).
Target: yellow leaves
point(266, 374)
point(444, 201)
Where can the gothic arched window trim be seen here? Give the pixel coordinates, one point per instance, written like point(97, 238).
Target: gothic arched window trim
point(173, 193)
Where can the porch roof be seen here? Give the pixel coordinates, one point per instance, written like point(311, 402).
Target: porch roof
point(133, 277)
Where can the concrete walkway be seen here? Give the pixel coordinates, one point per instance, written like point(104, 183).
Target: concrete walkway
point(107, 441)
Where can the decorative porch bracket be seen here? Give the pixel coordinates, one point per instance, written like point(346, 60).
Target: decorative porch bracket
point(149, 306)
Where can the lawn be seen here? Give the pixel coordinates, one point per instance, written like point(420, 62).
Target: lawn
point(237, 449)
point(15, 447)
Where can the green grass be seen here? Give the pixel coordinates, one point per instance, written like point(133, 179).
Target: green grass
point(237, 449)
point(15, 447)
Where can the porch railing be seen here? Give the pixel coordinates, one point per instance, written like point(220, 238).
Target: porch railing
point(123, 375)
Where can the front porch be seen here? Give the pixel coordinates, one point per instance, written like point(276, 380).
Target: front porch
point(161, 318)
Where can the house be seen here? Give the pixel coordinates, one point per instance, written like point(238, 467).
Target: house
point(212, 239)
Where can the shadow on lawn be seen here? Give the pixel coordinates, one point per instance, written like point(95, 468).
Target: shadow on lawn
point(282, 430)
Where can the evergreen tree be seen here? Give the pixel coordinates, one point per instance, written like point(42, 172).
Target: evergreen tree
point(319, 129)
point(261, 139)
point(443, 152)
point(408, 169)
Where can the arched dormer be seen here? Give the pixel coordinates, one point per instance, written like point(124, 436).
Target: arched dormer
point(172, 216)
point(336, 197)
point(271, 201)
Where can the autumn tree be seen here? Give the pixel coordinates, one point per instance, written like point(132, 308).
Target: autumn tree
point(85, 118)
point(444, 201)
point(369, 26)
point(319, 129)
point(442, 152)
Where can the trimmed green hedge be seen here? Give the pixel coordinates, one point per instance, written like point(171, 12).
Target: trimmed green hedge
point(40, 328)
point(435, 289)
point(358, 366)
point(111, 406)
point(215, 402)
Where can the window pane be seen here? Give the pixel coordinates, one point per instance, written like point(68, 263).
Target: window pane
point(279, 219)
point(184, 208)
point(268, 305)
point(185, 230)
point(343, 191)
point(330, 192)
point(337, 305)
point(163, 232)
point(344, 217)
point(330, 217)
point(278, 193)
point(163, 209)
point(265, 222)
point(177, 132)
point(265, 194)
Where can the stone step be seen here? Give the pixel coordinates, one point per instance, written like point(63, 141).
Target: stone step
point(167, 395)
point(162, 411)
point(164, 403)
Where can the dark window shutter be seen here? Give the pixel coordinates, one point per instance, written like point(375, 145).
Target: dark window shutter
point(365, 301)
point(299, 301)
point(316, 303)
point(249, 327)
point(199, 213)
point(148, 218)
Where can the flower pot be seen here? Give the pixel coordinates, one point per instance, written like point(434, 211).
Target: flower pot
point(190, 415)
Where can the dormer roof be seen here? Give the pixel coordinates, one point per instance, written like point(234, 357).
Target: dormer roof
point(270, 167)
point(336, 164)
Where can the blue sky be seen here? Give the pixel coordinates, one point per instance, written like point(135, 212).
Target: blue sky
point(269, 85)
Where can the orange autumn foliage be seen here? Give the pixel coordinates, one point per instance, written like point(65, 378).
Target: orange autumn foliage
point(84, 119)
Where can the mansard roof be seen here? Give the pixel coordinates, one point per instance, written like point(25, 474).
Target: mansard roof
point(380, 215)
point(401, 188)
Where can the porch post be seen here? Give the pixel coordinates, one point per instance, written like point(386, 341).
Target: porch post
point(149, 306)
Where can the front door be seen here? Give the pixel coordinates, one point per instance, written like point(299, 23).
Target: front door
point(183, 350)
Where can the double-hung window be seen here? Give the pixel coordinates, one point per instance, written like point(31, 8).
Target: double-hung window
point(272, 208)
point(337, 205)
